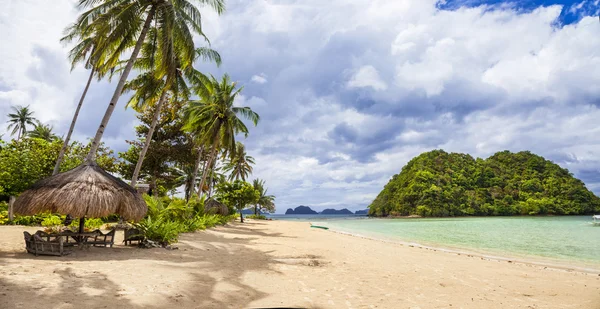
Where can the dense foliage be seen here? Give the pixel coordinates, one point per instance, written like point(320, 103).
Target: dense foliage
point(170, 151)
point(25, 161)
point(238, 195)
point(167, 218)
point(441, 184)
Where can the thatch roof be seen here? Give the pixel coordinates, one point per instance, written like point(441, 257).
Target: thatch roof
point(212, 206)
point(85, 191)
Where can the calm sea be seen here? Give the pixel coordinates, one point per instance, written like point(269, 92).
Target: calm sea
point(570, 239)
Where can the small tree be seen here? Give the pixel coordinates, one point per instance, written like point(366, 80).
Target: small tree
point(238, 194)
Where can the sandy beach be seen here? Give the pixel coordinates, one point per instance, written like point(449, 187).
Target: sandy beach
point(262, 264)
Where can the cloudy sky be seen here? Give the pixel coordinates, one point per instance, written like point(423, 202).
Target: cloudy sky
point(350, 90)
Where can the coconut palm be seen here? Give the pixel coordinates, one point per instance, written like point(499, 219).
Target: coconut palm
point(19, 120)
point(125, 21)
point(214, 120)
point(152, 87)
point(265, 201)
point(42, 131)
point(240, 164)
point(82, 52)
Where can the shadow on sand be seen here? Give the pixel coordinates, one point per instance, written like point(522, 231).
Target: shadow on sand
point(207, 273)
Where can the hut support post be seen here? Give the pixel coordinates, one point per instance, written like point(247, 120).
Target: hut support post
point(11, 215)
point(81, 224)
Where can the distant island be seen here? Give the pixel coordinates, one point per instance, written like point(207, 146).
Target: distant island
point(301, 210)
point(336, 212)
point(440, 184)
point(305, 210)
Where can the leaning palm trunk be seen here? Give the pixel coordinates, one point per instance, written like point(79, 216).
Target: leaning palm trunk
point(115, 98)
point(196, 167)
point(61, 154)
point(138, 166)
point(213, 153)
point(210, 184)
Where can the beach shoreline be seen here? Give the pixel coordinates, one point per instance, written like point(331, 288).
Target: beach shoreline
point(280, 264)
point(578, 266)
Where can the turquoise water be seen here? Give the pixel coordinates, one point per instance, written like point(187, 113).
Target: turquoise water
point(570, 239)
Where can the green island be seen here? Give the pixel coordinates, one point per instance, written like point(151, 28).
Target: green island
point(441, 184)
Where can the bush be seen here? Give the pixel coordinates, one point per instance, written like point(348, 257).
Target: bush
point(163, 232)
point(257, 217)
point(90, 224)
point(3, 217)
point(53, 224)
point(167, 218)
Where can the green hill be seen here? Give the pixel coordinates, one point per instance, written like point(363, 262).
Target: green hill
point(439, 184)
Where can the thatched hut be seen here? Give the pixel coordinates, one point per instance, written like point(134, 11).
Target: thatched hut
point(212, 206)
point(85, 191)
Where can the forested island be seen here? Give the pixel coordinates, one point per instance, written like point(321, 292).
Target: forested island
point(440, 184)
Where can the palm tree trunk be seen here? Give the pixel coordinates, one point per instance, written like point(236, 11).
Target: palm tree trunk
point(138, 166)
point(61, 154)
point(115, 98)
point(196, 167)
point(212, 173)
point(210, 159)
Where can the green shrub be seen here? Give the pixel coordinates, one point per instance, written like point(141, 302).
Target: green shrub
point(258, 217)
point(53, 224)
point(164, 232)
point(90, 224)
point(3, 217)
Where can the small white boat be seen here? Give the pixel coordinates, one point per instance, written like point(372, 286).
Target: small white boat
point(596, 220)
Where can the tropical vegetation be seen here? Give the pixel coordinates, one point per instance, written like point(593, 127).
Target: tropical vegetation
point(440, 184)
point(189, 126)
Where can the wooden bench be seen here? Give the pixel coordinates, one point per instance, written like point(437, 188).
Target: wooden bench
point(37, 245)
point(101, 239)
point(132, 235)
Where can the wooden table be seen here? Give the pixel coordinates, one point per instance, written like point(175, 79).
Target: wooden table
point(78, 237)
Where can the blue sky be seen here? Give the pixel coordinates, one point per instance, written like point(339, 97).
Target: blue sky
point(349, 91)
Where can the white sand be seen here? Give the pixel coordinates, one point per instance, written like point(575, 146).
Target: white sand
point(280, 264)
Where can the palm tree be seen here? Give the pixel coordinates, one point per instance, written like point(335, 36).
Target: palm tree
point(123, 21)
point(240, 164)
point(42, 131)
point(82, 52)
point(214, 120)
point(152, 87)
point(265, 201)
point(19, 120)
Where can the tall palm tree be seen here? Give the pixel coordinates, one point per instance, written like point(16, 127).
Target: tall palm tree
point(152, 87)
point(19, 120)
point(87, 40)
point(125, 21)
point(214, 120)
point(265, 201)
point(240, 164)
point(42, 131)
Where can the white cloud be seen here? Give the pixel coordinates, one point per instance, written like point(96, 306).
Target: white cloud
point(259, 79)
point(349, 91)
point(367, 76)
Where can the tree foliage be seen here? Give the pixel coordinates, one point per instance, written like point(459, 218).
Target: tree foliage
point(238, 195)
point(170, 148)
point(28, 160)
point(442, 184)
